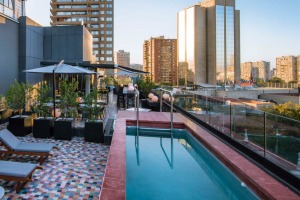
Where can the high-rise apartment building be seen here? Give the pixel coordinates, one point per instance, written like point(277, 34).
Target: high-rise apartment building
point(286, 68)
point(122, 58)
point(11, 9)
point(137, 66)
point(160, 59)
point(259, 69)
point(96, 15)
point(208, 36)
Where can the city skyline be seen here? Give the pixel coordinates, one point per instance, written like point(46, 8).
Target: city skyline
point(266, 29)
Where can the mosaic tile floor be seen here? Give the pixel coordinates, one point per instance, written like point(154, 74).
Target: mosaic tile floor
point(74, 172)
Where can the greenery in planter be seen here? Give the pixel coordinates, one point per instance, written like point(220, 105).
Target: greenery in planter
point(68, 97)
point(42, 98)
point(17, 95)
point(145, 85)
point(91, 107)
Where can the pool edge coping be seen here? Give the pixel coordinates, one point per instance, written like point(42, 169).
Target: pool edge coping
point(114, 186)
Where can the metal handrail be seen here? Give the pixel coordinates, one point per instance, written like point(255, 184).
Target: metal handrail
point(137, 105)
point(171, 103)
point(136, 108)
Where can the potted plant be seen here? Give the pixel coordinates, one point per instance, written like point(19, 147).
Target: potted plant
point(64, 127)
point(5, 113)
point(16, 97)
point(43, 125)
point(93, 125)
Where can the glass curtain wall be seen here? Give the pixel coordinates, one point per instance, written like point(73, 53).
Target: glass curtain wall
point(220, 47)
point(225, 23)
point(229, 45)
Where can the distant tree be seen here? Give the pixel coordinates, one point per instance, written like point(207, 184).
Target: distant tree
point(288, 109)
point(276, 80)
point(259, 82)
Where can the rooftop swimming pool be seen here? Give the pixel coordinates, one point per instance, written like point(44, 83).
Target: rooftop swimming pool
point(158, 167)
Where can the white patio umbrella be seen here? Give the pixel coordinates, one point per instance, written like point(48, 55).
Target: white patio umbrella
point(62, 68)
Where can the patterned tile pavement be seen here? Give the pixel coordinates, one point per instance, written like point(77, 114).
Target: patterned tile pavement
point(74, 172)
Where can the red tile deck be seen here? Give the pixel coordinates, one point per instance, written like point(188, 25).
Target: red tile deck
point(114, 186)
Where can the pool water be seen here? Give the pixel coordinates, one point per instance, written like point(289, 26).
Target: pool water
point(157, 168)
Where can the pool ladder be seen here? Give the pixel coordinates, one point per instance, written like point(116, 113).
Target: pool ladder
point(137, 105)
point(136, 108)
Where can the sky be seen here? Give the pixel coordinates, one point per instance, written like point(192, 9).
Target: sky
point(269, 28)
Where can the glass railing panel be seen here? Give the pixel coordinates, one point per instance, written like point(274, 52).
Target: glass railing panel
point(283, 142)
point(248, 127)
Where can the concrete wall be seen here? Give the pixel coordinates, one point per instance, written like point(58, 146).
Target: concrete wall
point(211, 45)
point(237, 47)
point(200, 45)
point(280, 98)
point(30, 49)
point(253, 94)
point(8, 53)
point(87, 46)
point(63, 43)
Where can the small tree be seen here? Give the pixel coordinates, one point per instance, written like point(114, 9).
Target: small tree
point(17, 95)
point(42, 98)
point(68, 96)
point(145, 85)
point(91, 107)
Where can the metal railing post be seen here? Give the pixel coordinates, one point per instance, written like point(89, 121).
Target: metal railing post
point(171, 106)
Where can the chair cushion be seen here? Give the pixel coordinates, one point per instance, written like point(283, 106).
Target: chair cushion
point(40, 147)
point(16, 169)
point(9, 139)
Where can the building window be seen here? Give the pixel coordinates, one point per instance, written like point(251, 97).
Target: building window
point(108, 58)
point(95, 39)
point(109, 12)
point(109, 25)
point(109, 39)
point(109, 5)
point(109, 32)
point(95, 13)
point(108, 52)
point(95, 6)
point(101, 58)
point(109, 19)
point(109, 45)
point(95, 32)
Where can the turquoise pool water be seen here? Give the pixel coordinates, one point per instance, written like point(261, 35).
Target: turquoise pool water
point(159, 168)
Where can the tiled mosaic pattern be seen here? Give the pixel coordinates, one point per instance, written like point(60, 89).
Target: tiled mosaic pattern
point(74, 172)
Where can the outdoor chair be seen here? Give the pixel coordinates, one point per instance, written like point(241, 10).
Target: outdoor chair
point(16, 171)
point(14, 146)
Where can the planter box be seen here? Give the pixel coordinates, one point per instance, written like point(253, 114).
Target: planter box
point(94, 131)
point(43, 127)
point(64, 128)
point(20, 126)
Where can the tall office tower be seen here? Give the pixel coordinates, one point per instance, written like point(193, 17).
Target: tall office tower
point(122, 58)
point(259, 69)
point(11, 8)
point(96, 15)
point(208, 36)
point(286, 68)
point(160, 59)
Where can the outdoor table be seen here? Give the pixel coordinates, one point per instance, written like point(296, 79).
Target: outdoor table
point(128, 95)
